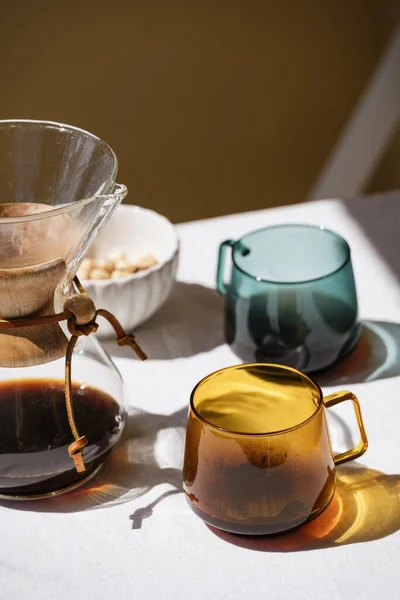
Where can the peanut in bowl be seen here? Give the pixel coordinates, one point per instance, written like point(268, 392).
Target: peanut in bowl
point(114, 266)
point(132, 266)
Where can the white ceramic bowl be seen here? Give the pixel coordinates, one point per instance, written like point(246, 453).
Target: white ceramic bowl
point(134, 299)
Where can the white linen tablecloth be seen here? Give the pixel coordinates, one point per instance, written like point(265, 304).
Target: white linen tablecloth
point(131, 535)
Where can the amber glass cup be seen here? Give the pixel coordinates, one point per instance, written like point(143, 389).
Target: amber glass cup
point(258, 458)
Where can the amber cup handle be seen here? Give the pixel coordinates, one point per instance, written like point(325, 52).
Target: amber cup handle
point(362, 445)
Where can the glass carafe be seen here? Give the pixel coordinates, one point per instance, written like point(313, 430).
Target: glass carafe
point(57, 191)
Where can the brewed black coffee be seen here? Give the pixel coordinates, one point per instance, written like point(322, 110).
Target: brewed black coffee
point(35, 434)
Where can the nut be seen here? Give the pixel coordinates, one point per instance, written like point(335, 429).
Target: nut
point(106, 263)
point(87, 264)
point(117, 274)
point(117, 255)
point(125, 265)
point(114, 266)
point(146, 262)
point(99, 274)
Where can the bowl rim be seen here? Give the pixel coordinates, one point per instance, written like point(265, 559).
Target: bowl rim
point(145, 272)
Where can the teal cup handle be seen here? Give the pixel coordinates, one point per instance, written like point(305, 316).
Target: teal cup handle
point(290, 297)
point(221, 287)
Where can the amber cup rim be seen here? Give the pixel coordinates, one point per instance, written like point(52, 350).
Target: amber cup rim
point(318, 407)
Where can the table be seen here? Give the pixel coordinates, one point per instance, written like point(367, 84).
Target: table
point(132, 535)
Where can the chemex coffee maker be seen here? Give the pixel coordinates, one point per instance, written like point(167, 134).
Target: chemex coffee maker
point(62, 404)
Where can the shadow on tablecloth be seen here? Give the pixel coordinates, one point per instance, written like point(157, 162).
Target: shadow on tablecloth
point(190, 322)
point(365, 507)
point(376, 356)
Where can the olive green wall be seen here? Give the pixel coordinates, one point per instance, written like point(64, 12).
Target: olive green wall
point(211, 106)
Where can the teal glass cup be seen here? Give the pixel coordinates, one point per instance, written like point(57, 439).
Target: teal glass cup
point(291, 298)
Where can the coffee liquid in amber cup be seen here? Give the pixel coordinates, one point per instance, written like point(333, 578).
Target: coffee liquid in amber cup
point(258, 458)
point(291, 297)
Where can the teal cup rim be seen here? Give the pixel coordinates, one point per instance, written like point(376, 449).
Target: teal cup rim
point(239, 245)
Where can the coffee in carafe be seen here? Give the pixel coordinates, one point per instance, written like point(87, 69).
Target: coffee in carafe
point(62, 403)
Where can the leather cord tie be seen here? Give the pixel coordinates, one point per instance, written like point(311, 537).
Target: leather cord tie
point(80, 314)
